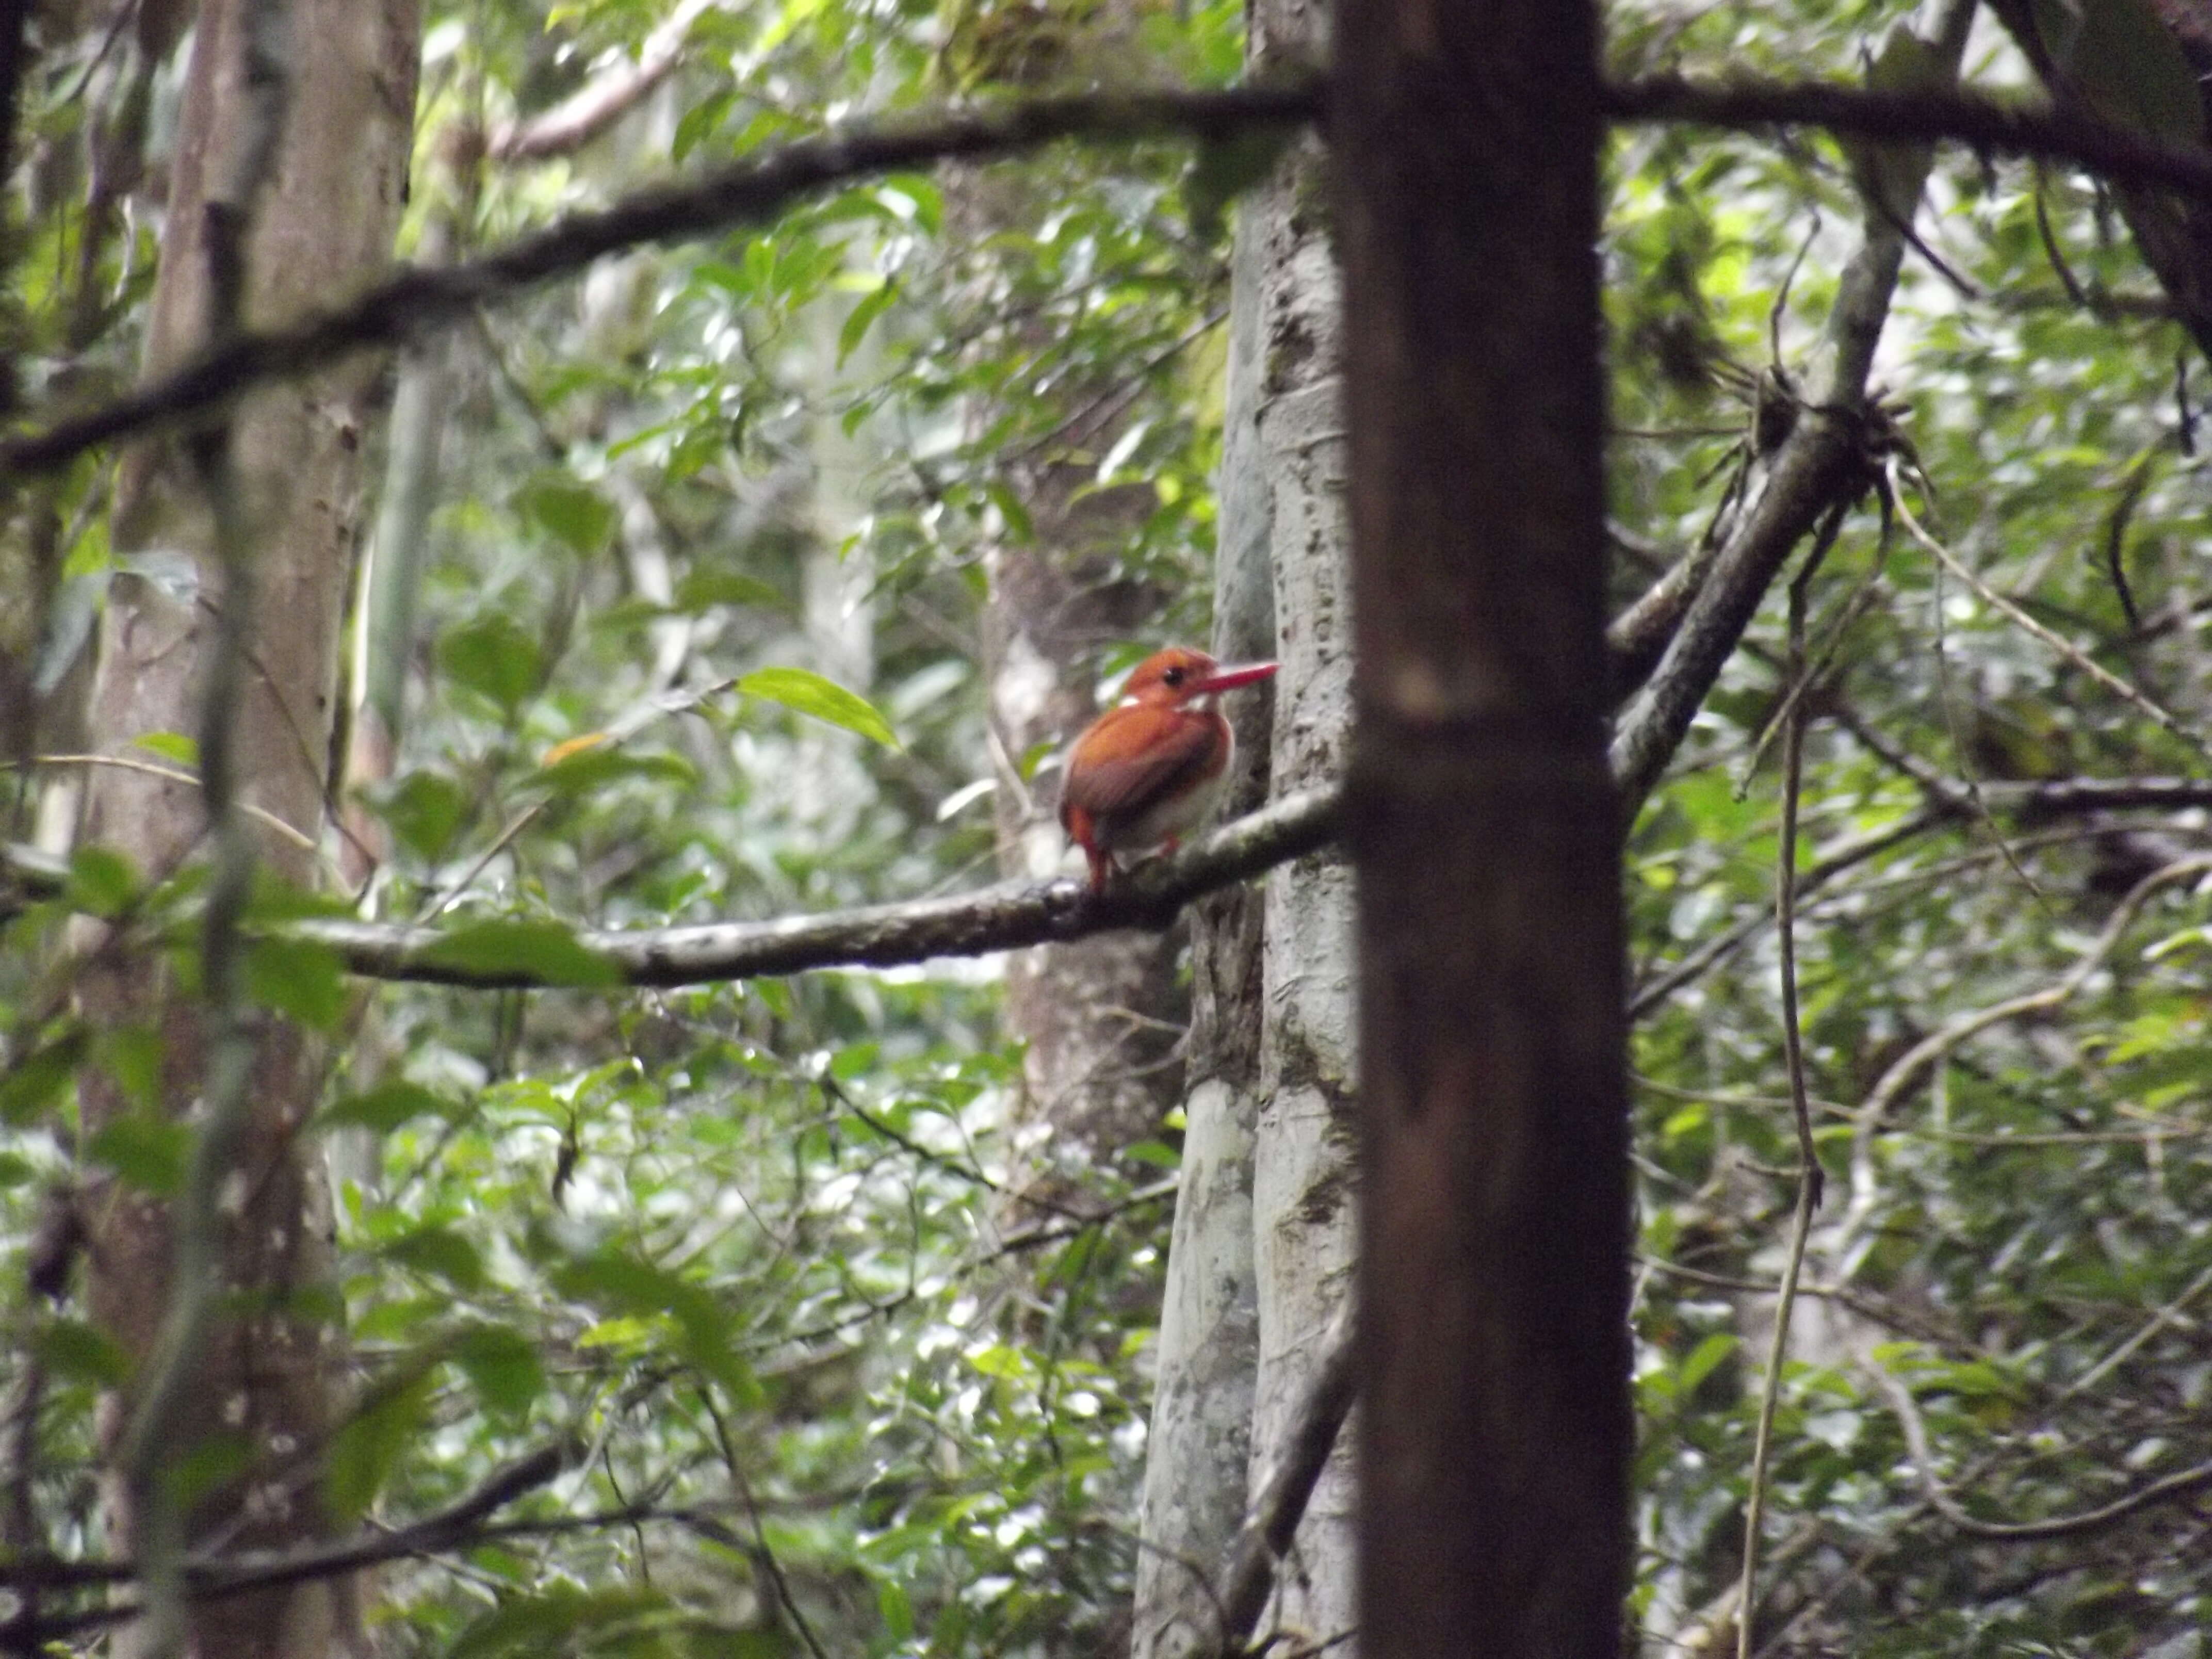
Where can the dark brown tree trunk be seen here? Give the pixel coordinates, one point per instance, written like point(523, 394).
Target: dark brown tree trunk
point(325, 224)
point(1494, 1355)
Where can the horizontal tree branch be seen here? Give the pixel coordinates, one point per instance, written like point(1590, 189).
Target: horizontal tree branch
point(413, 301)
point(1005, 917)
point(459, 1523)
point(1979, 122)
point(1010, 915)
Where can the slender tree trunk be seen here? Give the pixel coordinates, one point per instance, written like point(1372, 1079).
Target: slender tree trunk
point(1279, 971)
point(1302, 1182)
point(1208, 1351)
point(1495, 1426)
point(325, 222)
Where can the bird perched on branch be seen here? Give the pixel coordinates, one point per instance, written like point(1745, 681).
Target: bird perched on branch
point(1146, 774)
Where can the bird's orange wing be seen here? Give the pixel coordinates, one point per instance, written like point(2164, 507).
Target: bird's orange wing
point(1135, 757)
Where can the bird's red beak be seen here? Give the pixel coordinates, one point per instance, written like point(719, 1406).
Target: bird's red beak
point(1229, 678)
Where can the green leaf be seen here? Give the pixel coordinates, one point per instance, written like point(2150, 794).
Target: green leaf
point(873, 305)
point(897, 1608)
point(365, 1451)
point(627, 1285)
point(297, 977)
point(698, 122)
point(810, 694)
point(543, 951)
point(36, 1081)
point(495, 658)
point(1000, 1361)
point(1704, 1359)
point(389, 1105)
point(1156, 1153)
point(132, 1054)
point(563, 1620)
point(425, 810)
point(73, 1348)
point(440, 1251)
point(573, 514)
point(704, 590)
point(149, 1153)
point(209, 1463)
point(101, 881)
point(170, 745)
point(15, 1171)
point(502, 1366)
point(919, 194)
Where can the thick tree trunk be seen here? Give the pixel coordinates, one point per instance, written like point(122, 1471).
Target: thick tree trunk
point(1495, 1426)
point(325, 222)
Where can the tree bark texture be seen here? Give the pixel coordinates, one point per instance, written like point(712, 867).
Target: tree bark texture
point(324, 225)
point(1303, 1181)
point(1207, 1353)
point(1098, 1018)
point(1288, 1098)
point(1495, 1430)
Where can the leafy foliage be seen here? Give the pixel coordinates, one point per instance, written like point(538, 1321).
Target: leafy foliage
point(698, 633)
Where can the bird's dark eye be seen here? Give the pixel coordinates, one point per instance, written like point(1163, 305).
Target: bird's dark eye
point(1173, 676)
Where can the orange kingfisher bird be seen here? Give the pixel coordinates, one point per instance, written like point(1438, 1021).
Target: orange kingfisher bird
point(1146, 774)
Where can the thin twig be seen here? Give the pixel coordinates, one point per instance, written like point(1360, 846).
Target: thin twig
point(761, 1552)
point(299, 838)
point(1908, 1068)
point(2158, 1321)
point(2187, 1483)
point(1811, 1179)
point(2065, 648)
point(1969, 779)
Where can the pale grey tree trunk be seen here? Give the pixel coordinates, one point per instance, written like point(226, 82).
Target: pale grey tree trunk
point(324, 225)
point(1208, 1351)
point(1285, 1227)
point(1302, 1185)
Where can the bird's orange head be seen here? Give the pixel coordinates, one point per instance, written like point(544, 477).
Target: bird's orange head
point(1180, 675)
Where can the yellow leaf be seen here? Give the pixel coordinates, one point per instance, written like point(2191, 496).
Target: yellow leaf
point(561, 751)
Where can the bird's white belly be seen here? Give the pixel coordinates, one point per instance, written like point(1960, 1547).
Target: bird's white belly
point(1170, 819)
